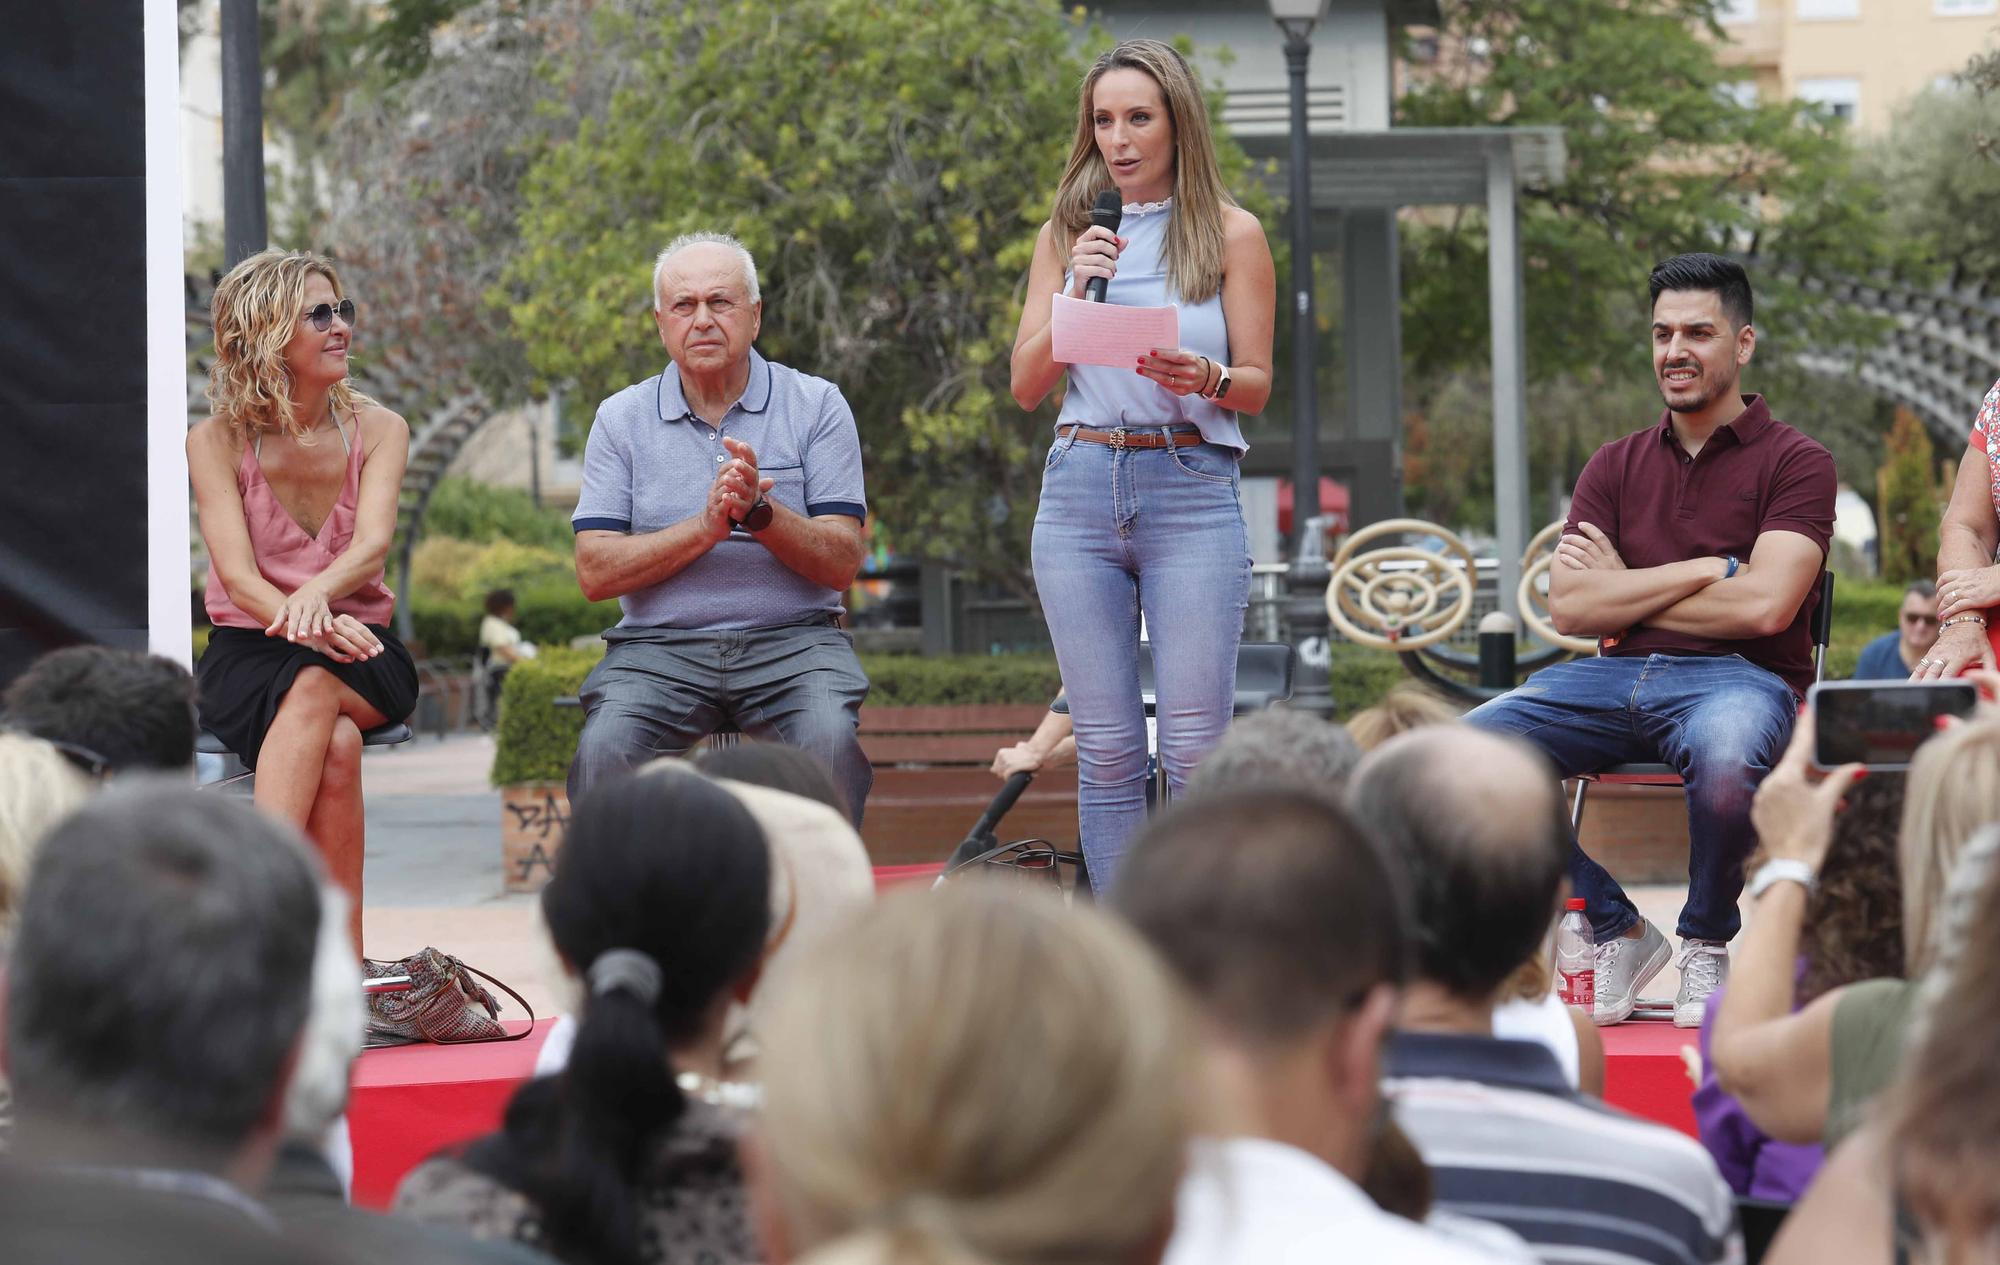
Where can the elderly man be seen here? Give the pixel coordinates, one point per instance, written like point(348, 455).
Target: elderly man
point(722, 506)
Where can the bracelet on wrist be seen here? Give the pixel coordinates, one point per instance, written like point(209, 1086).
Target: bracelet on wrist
point(1963, 619)
point(1780, 870)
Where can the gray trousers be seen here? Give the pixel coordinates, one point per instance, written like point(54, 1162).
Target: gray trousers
point(661, 690)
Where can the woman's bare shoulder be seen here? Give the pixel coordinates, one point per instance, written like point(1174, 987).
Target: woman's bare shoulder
point(379, 422)
point(212, 437)
point(1239, 225)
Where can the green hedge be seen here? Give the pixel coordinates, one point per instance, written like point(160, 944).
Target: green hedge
point(537, 738)
point(548, 615)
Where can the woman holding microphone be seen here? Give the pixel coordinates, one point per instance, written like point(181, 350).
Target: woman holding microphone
point(1139, 509)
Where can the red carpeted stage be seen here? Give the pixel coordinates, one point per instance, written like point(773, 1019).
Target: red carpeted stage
point(411, 1101)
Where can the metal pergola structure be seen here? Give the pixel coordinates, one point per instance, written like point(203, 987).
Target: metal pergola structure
point(1359, 181)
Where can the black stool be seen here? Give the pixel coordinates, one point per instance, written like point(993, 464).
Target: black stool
point(206, 743)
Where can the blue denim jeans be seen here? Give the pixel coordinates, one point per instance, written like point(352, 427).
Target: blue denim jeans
point(1121, 531)
point(1721, 721)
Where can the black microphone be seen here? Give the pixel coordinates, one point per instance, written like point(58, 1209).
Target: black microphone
point(1105, 215)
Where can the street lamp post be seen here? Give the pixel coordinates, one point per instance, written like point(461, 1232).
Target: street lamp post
point(243, 226)
point(1306, 605)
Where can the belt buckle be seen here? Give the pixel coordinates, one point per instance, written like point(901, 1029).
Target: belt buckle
point(1118, 437)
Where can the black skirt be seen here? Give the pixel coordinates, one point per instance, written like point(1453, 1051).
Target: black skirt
point(243, 676)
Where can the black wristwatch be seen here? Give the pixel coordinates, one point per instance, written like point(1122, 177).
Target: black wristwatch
point(758, 516)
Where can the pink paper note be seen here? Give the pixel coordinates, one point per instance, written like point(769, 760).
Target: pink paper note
point(1086, 333)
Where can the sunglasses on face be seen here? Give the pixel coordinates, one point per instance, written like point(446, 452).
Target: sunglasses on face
point(322, 316)
point(82, 758)
point(1920, 619)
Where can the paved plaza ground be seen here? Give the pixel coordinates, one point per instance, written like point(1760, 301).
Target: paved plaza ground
point(433, 875)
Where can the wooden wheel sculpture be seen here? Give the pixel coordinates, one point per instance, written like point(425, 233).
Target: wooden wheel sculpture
point(1532, 598)
point(1399, 597)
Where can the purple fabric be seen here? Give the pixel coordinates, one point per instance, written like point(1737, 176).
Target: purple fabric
point(1752, 1163)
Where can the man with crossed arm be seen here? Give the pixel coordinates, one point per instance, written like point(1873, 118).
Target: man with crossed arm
point(1692, 553)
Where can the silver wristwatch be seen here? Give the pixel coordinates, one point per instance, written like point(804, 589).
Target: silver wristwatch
point(1780, 870)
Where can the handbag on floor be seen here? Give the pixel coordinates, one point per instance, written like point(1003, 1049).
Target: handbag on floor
point(441, 1002)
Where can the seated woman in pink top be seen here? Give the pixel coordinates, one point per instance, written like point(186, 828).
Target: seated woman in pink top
point(296, 479)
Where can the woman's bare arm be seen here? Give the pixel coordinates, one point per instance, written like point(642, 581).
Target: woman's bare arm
point(1249, 305)
point(212, 455)
point(1035, 371)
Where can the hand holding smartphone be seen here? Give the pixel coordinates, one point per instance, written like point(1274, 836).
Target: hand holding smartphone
point(1880, 724)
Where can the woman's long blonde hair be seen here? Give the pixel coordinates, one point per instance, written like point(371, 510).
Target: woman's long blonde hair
point(256, 310)
point(1954, 789)
point(1194, 227)
point(976, 1075)
point(38, 788)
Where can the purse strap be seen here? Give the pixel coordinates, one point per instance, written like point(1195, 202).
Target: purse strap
point(519, 1000)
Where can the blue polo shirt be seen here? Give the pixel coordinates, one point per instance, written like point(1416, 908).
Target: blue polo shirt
point(650, 463)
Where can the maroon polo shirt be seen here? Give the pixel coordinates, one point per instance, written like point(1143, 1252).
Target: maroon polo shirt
point(1658, 505)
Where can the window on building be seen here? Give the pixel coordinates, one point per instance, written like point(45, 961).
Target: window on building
point(1843, 96)
point(1828, 10)
point(1742, 91)
point(1736, 12)
point(1963, 8)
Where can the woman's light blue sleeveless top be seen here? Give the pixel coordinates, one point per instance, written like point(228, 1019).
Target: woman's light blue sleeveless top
point(1107, 396)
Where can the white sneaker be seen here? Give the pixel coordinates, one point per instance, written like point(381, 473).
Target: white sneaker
point(1623, 968)
point(1704, 968)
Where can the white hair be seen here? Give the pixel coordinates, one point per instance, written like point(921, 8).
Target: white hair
point(335, 1022)
point(686, 240)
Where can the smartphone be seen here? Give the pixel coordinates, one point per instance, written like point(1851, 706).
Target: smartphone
point(1881, 723)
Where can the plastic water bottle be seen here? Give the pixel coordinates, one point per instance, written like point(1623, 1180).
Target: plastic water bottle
point(1576, 957)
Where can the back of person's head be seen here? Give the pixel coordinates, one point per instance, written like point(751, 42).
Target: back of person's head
point(132, 711)
point(160, 975)
point(1943, 1111)
point(1403, 708)
point(1271, 906)
point(499, 601)
point(1954, 785)
point(1854, 918)
point(335, 1024)
point(660, 903)
point(38, 788)
point(773, 764)
point(1477, 824)
point(1278, 747)
point(974, 1075)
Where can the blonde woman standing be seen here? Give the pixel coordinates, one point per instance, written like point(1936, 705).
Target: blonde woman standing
point(1139, 510)
point(296, 478)
point(1022, 1092)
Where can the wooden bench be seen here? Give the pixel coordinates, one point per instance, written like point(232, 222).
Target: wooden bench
point(932, 780)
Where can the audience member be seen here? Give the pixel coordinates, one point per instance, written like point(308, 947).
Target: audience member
point(1282, 920)
point(1405, 707)
point(1893, 655)
point(973, 1075)
point(1278, 747)
point(38, 788)
point(109, 711)
point(775, 765)
point(155, 1050)
point(1808, 1076)
point(502, 645)
point(1528, 1008)
point(660, 901)
point(1853, 932)
point(1052, 744)
point(1478, 825)
point(1859, 1206)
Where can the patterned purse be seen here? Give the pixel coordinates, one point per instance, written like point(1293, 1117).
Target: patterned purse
point(440, 1003)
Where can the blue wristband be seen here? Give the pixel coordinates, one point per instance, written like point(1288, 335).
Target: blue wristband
point(1733, 564)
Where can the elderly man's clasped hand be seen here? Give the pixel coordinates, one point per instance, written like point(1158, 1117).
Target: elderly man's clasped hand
point(736, 488)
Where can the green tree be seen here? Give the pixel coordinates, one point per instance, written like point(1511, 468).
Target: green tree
point(1939, 156)
point(1661, 159)
point(1911, 502)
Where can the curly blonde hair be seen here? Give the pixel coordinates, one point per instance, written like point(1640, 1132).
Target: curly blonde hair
point(256, 313)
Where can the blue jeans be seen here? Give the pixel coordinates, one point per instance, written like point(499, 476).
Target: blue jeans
point(659, 690)
point(1720, 721)
point(1120, 531)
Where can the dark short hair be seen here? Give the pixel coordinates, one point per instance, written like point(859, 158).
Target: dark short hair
point(1270, 905)
point(162, 968)
point(776, 766)
point(1703, 271)
point(1482, 875)
point(499, 600)
point(135, 710)
point(1926, 589)
point(1279, 747)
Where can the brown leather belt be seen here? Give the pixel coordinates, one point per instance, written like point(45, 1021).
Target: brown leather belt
point(1123, 438)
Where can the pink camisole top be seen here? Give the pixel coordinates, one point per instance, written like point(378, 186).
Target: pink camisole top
point(286, 555)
